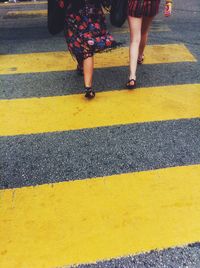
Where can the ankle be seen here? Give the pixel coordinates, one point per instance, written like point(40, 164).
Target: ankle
point(141, 56)
point(132, 77)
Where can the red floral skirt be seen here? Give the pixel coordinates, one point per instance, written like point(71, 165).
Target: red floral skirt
point(143, 8)
point(86, 35)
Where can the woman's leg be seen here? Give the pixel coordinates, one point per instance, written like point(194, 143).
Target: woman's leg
point(135, 25)
point(88, 68)
point(146, 23)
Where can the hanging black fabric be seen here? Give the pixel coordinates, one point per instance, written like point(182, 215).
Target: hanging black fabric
point(56, 16)
point(118, 13)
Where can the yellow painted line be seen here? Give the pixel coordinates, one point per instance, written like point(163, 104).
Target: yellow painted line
point(85, 221)
point(26, 13)
point(62, 61)
point(49, 114)
point(23, 3)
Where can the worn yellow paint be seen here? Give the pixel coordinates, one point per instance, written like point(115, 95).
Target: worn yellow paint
point(26, 13)
point(85, 221)
point(48, 114)
point(61, 61)
point(23, 3)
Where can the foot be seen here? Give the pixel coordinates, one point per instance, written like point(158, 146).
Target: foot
point(140, 59)
point(131, 84)
point(89, 93)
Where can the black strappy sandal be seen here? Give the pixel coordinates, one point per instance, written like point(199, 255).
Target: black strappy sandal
point(129, 85)
point(89, 93)
point(140, 60)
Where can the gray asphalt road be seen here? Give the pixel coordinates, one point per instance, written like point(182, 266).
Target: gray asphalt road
point(53, 157)
point(184, 257)
point(63, 156)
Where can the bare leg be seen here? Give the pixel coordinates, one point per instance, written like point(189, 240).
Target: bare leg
point(146, 23)
point(88, 68)
point(135, 25)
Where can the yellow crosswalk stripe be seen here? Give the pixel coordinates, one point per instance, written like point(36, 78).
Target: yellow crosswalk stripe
point(62, 113)
point(26, 13)
point(85, 221)
point(62, 61)
point(157, 26)
point(23, 3)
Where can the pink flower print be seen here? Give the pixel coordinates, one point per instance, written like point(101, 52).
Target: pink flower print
point(108, 42)
point(91, 42)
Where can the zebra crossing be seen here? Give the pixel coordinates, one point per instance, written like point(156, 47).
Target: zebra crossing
point(64, 113)
point(62, 61)
point(85, 221)
point(89, 181)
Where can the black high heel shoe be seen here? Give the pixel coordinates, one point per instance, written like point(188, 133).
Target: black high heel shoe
point(89, 93)
point(129, 84)
point(140, 60)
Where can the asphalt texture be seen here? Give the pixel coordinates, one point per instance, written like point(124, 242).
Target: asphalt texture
point(64, 156)
point(52, 157)
point(181, 257)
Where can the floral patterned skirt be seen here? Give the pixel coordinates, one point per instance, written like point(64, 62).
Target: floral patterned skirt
point(86, 35)
point(143, 8)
